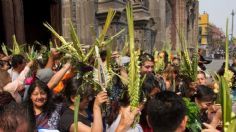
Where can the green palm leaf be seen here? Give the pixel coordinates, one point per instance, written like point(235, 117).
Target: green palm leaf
point(134, 69)
point(76, 112)
point(4, 49)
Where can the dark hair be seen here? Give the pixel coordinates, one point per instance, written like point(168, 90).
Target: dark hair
point(166, 111)
point(103, 55)
point(202, 72)
point(76, 86)
point(49, 106)
point(205, 93)
point(5, 98)
point(17, 60)
point(149, 83)
point(165, 56)
point(145, 57)
point(12, 117)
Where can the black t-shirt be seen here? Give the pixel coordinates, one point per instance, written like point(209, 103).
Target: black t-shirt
point(67, 119)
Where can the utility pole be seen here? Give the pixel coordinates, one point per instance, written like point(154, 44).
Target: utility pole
point(232, 34)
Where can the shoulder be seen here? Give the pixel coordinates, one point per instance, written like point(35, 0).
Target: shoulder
point(66, 120)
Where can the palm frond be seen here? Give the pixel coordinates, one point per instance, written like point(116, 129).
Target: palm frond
point(16, 49)
point(101, 72)
point(226, 102)
point(126, 46)
point(100, 40)
point(49, 27)
point(4, 49)
point(110, 16)
point(188, 67)
point(32, 54)
point(76, 41)
point(134, 69)
point(76, 112)
point(159, 64)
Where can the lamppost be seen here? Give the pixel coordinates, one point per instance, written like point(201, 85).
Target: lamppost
point(232, 32)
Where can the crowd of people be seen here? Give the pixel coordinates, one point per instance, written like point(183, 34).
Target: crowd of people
point(42, 95)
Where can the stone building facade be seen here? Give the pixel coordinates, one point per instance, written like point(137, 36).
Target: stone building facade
point(156, 21)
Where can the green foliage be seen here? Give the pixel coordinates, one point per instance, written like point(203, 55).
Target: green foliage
point(76, 112)
point(167, 48)
point(229, 120)
point(226, 102)
point(17, 49)
point(4, 49)
point(32, 54)
point(159, 65)
point(193, 113)
point(76, 42)
point(188, 67)
point(227, 46)
point(125, 48)
point(75, 49)
point(227, 74)
point(134, 69)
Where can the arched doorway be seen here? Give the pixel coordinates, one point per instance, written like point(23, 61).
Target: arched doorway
point(1, 26)
point(25, 18)
point(36, 12)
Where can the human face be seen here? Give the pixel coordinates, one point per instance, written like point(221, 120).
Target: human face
point(147, 67)
point(162, 55)
point(234, 61)
point(203, 105)
point(176, 62)
point(22, 66)
point(38, 97)
point(5, 66)
point(84, 103)
point(201, 79)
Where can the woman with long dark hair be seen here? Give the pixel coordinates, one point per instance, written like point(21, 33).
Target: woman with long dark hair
point(76, 87)
point(209, 112)
point(39, 103)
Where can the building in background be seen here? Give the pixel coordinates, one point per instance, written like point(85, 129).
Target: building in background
point(216, 37)
point(211, 37)
point(157, 22)
point(203, 30)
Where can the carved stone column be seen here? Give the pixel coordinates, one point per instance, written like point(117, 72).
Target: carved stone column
point(119, 22)
point(56, 13)
point(13, 20)
point(157, 9)
point(8, 20)
point(19, 20)
point(66, 15)
point(143, 24)
point(85, 20)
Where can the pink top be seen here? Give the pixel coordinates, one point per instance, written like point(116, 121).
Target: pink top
point(17, 85)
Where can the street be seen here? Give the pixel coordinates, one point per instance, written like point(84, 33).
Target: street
point(215, 65)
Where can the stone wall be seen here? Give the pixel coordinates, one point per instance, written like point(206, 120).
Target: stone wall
point(156, 21)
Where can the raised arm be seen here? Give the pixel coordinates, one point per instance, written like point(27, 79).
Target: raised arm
point(97, 121)
point(58, 76)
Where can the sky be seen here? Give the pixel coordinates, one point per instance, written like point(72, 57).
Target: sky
point(218, 11)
